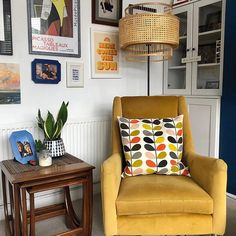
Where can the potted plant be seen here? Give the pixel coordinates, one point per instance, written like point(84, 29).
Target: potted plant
point(52, 129)
point(44, 155)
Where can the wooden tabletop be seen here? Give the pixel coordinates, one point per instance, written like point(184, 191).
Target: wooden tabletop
point(67, 164)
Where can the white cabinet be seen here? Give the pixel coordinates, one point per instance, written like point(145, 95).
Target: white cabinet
point(197, 65)
point(204, 118)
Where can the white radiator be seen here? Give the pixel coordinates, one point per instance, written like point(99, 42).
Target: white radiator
point(88, 139)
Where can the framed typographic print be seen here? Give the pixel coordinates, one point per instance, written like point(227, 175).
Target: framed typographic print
point(105, 54)
point(75, 75)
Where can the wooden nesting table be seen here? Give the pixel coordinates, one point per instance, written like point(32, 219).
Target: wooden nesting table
point(66, 171)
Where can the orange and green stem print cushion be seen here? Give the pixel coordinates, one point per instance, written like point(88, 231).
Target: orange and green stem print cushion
point(153, 146)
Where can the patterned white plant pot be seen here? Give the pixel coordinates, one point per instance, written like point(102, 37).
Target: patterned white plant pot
point(56, 147)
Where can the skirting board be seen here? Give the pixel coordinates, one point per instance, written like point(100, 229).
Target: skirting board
point(55, 197)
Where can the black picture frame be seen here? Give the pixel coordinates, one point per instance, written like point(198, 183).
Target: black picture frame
point(100, 7)
point(46, 71)
point(23, 146)
point(213, 21)
point(51, 34)
point(6, 45)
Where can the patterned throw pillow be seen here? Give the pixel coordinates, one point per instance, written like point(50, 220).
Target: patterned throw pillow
point(153, 146)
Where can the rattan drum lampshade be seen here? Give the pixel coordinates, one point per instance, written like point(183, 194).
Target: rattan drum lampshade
point(149, 30)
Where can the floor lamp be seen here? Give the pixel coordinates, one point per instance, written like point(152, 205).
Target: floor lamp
point(148, 33)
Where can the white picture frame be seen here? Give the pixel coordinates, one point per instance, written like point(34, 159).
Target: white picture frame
point(105, 61)
point(178, 2)
point(74, 75)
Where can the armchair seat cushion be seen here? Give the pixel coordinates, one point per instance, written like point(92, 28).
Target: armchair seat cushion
point(154, 194)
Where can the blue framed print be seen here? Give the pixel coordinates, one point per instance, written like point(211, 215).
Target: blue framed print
point(23, 146)
point(46, 71)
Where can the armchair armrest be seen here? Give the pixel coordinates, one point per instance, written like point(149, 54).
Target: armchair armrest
point(211, 175)
point(110, 183)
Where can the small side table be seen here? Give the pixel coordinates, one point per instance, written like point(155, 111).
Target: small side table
point(65, 171)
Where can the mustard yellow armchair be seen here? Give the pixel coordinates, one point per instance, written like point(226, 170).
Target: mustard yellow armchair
point(161, 204)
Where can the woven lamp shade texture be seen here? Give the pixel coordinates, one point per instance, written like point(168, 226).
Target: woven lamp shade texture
point(149, 28)
point(160, 31)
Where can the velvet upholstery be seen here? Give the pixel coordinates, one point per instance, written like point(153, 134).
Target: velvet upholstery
point(156, 194)
point(199, 209)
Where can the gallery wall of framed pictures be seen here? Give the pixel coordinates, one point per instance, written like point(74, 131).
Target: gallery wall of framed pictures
point(54, 31)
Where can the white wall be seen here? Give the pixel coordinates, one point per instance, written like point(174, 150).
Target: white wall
point(95, 99)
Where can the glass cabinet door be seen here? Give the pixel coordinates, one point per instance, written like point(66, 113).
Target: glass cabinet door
point(207, 43)
point(177, 74)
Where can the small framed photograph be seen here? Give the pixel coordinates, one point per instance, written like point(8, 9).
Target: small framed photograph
point(178, 2)
point(213, 20)
point(106, 12)
point(212, 84)
point(75, 75)
point(5, 28)
point(105, 54)
point(46, 71)
point(23, 146)
point(54, 27)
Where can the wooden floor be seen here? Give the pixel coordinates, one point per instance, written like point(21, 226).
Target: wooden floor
point(55, 225)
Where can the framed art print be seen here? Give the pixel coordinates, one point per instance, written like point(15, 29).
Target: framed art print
point(46, 71)
point(106, 12)
point(75, 75)
point(105, 54)
point(5, 28)
point(23, 146)
point(10, 89)
point(54, 27)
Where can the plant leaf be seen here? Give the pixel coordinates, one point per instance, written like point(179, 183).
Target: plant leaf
point(49, 126)
point(63, 113)
point(58, 129)
point(40, 120)
point(39, 145)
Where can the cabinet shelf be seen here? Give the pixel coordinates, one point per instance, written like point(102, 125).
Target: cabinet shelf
point(182, 37)
point(217, 31)
point(209, 37)
point(208, 64)
point(176, 67)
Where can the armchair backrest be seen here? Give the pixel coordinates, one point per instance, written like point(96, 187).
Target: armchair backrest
point(150, 107)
